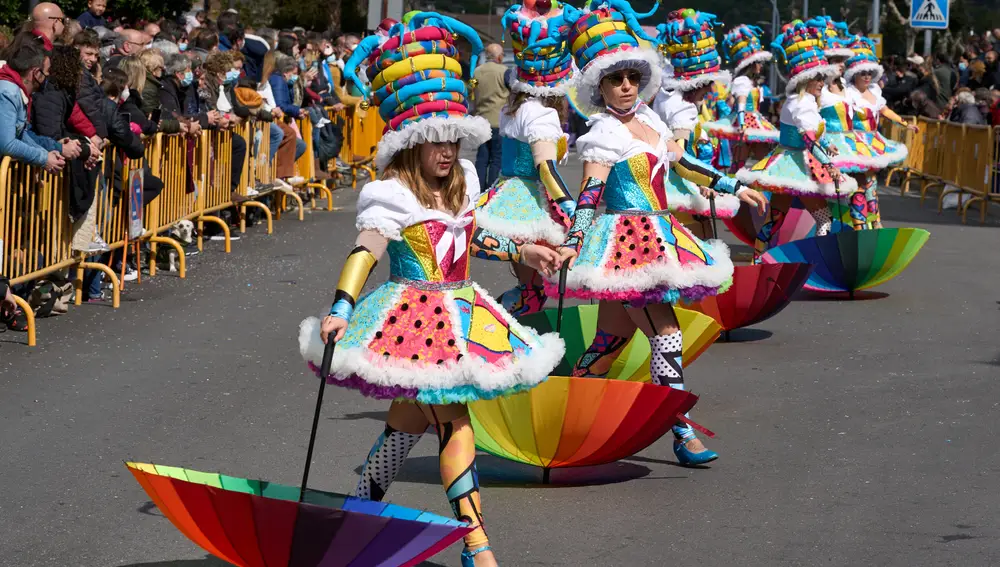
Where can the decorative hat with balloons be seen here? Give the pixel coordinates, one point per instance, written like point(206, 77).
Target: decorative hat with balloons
point(836, 41)
point(862, 59)
point(801, 49)
point(742, 46)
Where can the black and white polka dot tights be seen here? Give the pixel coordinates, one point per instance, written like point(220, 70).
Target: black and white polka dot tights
point(384, 461)
point(665, 361)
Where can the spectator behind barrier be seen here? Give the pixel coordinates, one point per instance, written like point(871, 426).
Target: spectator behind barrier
point(23, 74)
point(964, 110)
point(923, 106)
point(220, 76)
point(48, 23)
point(176, 79)
point(286, 73)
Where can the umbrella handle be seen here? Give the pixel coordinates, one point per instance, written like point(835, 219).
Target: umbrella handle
point(324, 371)
point(711, 206)
point(836, 188)
point(562, 294)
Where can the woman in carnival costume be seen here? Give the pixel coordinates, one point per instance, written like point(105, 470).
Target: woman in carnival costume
point(695, 68)
point(529, 201)
point(862, 74)
point(429, 338)
point(802, 165)
point(636, 258)
point(752, 134)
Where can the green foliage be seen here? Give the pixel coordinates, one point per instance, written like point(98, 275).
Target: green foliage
point(12, 13)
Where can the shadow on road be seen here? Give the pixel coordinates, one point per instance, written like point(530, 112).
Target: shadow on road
point(864, 295)
point(375, 415)
point(209, 561)
point(745, 335)
point(495, 471)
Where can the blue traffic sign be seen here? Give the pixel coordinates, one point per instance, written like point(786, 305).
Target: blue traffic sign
point(929, 14)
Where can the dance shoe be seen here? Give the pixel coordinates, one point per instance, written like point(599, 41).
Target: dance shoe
point(687, 458)
point(468, 557)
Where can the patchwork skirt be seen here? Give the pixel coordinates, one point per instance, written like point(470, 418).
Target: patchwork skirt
point(519, 208)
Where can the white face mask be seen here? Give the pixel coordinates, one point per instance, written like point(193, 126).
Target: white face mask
point(125, 94)
point(327, 51)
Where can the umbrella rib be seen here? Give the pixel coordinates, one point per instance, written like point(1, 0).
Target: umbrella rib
point(229, 540)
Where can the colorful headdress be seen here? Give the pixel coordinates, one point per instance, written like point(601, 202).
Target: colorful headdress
point(687, 39)
point(862, 59)
point(801, 49)
point(742, 47)
point(835, 36)
point(606, 40)
point(541, 53)
point(416, 82)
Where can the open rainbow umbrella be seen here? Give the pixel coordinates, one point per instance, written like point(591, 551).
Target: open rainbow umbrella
point(758, 292)
point(254, 523)
point(798, 223)
point(852, 260)
point(571, 422)
point(579, 325)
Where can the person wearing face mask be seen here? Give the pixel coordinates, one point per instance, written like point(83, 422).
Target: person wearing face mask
point(286, 74)
point(177, 77)
point(24, 73)
point(636, 258)
point(803, 164)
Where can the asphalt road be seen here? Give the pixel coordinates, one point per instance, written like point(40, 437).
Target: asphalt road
point(851, 433)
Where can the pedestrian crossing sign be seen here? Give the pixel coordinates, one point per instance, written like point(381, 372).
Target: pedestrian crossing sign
point(929, 14)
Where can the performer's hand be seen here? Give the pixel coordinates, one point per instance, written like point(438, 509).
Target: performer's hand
point(332, 325)
point(754, 199)
point(832, 151)
point(708, 193)
point(541, 258)
point(567, 253)
point(913, 128)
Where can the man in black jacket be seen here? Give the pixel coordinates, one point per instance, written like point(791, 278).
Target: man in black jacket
point(89, 95)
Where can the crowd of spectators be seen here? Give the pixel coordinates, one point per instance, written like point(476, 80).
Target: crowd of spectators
point(964, 90)
point(70, 88)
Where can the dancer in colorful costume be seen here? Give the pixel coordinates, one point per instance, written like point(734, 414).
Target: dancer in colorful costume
point(695, 64)
point(529, 201)
point(862, 74)
point(751, 133)
point(636, 258)
point(802, 165)
point(429, 338)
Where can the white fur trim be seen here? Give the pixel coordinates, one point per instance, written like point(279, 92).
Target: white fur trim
point(658, 274)
point(866, 66)
point(588, 80)
point(519, 86)
point(385, 228)
point(713, 127)
point(697, 81)
point(530, 232)
point(531, 369)
point(880, 162)
point(768, 182)
point(821, 71)
point(759, 57)
point(726, 206)
point(838, 52)
point(473, 129)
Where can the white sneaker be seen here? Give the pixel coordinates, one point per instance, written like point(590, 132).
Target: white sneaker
point(97, 246)
point(297, 180)
point(131, 275)
point(220, 237)
point(251, 192)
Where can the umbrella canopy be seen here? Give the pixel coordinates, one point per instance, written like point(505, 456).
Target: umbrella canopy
point(852, 260)
point(255, 523)
point(579, 325)
point(568, 422)
point(798, 223)
point(758, 293)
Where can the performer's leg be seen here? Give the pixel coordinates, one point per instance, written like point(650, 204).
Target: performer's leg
point(403, 428)
point(871, 198)
point(666, 343)
point(820, 212)
point(858, 203)
point(779, 206)
point(614, 329)
point(528, 296)
point(458, 474)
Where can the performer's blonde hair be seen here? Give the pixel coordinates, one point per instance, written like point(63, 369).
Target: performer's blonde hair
point(405, 166)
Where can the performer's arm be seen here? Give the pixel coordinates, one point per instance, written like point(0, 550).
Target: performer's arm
point(595, 176)
point(545, 156)
point(700, 173)
point(361, 262)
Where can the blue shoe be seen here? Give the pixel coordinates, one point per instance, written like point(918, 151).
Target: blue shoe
point(468, 556)
point(686, 458)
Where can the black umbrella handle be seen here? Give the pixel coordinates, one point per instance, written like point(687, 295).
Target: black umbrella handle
point(836, 189)
point(324, 371)
point(711, 206)
point(562, 294)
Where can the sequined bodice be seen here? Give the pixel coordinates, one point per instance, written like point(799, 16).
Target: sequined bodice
point(637, 184)
point(865, 120)
point(838, 117)
point(516, 159)
point(433, 250)
point(753, 100)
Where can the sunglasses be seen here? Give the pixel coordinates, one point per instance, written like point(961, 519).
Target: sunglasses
point(616, 79)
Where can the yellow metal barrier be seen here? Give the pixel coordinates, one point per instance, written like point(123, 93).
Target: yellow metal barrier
point(214, 175)
point(168, 160)
point(258, 169)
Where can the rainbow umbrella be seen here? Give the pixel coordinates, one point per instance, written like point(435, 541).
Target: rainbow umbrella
point(255, 523)
point(579, 325)
point(798, 223)
point(571, 422)
point(758, 292)
point(852, 260)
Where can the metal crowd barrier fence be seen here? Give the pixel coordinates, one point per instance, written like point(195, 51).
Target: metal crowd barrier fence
point(954, 159)
point(36, 234)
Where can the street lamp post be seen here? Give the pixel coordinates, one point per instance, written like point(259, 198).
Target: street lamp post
point(775, 25)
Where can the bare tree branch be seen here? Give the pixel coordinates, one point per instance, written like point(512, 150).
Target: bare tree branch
point(891, 5)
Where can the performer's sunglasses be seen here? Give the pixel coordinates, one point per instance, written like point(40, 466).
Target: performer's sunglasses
point(616, 79)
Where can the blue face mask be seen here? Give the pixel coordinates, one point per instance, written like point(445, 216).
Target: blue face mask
point(188, 79)
point(231, 76)
point(332, 60)
point(182, 46)
point(963, 66)
point(293, 80)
